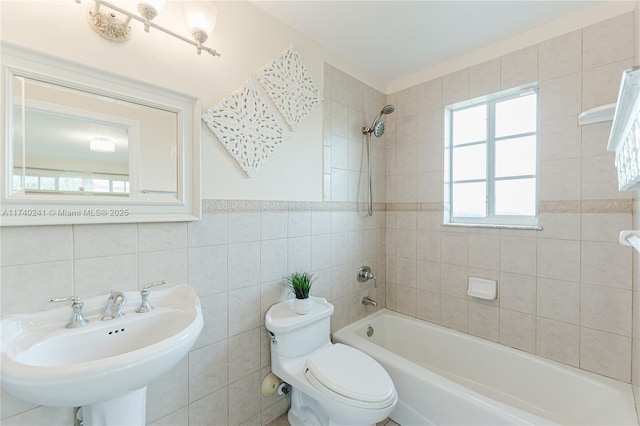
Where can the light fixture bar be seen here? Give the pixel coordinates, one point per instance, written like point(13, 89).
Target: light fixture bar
point(148, 23)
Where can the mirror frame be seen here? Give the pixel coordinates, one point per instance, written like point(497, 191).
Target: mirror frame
point(26, 209)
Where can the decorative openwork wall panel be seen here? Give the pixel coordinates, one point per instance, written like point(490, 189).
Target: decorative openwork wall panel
point(246, 126)
point(287, 82)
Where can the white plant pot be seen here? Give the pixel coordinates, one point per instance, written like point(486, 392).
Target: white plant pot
point(301, 306)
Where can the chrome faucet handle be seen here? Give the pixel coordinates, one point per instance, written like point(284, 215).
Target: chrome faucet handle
point(145, 306)
point(77, 319)
point(365, 274)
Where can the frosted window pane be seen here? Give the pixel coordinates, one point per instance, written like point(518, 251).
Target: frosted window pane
point(516, 157)
point(118, 186)
point(515, 197)
point(470, 125)
point(31, 182)
point(469, 199)
point(516, 116)
point(48, 183)
point(69, 184)
point(470, 162)
point(100, 185)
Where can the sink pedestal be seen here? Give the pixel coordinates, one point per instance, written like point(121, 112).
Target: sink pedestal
point(127, 410)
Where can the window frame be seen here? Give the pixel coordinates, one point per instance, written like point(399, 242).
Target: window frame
point(490, 219)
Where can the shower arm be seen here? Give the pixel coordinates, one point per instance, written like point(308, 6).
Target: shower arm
point(368, 130)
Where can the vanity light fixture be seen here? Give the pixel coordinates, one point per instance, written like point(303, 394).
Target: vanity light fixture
point(112, 22)
point(100, 144)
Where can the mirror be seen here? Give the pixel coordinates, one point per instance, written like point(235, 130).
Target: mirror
point(85, 146)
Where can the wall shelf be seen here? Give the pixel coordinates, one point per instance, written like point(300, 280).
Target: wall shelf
point(625, 131)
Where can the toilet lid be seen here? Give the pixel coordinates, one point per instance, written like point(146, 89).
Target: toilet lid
point(351, 373)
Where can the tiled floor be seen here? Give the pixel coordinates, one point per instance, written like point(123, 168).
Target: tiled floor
point(282, 421)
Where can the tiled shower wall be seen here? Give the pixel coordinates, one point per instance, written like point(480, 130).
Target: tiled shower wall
point(234, 258)
point(565, 292)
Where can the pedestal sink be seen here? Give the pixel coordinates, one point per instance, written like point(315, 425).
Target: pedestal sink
point(103, 366)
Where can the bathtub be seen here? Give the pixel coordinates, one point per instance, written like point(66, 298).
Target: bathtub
point(444, 377)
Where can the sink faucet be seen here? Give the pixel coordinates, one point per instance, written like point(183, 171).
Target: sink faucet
point(115, 306)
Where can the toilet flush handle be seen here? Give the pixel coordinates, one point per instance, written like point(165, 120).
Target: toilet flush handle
point(273, 338)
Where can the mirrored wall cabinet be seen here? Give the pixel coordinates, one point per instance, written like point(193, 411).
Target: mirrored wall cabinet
point(84, 146)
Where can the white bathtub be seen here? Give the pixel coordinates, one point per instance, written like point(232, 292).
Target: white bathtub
point(445, 377)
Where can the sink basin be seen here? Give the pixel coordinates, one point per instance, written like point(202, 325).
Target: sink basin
point(45, 363)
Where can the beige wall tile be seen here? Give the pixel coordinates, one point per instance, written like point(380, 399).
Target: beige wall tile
point(518, 255)
point(518, 330)
point(483, 321)
point(453, 312)
point(606, 264)
point(599, 179)
point(606, 309)
point(407, 102)
point(561, 226)
point(558, 341)
point(558, 300)
point(600, 85)
point(455, 87)
point(517, 292)
point(520, 67)
point(560, 56)
point(604, 227)
point(560, 179)
point(454, 279)
point(428, 305)
point(430, 95)
point(561, 97)
point(484, 78)
point(608, 41)
point(454, 248)
point(559, 259)
point(605, 353)
point(484, 251)
point(560, 138)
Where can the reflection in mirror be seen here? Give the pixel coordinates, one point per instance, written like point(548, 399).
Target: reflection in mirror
point(67, 141)
point(82, 145)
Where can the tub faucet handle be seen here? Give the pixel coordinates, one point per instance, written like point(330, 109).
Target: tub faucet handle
point(365, 274)
point(77, 319)
point(145, 306)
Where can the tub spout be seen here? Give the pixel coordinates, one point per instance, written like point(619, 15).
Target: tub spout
point(368, 301)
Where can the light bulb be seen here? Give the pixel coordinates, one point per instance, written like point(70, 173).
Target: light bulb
point(101, 144)
point(201, 17)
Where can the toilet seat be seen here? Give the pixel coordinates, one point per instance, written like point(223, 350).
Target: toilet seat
point(351, 377)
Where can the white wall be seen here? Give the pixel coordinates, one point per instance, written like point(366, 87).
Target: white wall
point(247, 39)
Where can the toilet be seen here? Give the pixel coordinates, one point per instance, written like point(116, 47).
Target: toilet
point(331, 384)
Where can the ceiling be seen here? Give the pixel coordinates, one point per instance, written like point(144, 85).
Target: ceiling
point(392, 39)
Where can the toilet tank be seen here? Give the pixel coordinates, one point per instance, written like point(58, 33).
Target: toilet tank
point(295, 335)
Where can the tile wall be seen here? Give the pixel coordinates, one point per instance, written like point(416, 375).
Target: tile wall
point(234, 258)
point(565, 292)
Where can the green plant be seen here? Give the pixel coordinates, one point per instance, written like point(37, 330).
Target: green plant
point(300, 284)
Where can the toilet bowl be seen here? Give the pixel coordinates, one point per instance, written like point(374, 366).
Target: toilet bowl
point(332, 384)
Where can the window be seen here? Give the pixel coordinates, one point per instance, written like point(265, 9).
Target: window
point(492, 159)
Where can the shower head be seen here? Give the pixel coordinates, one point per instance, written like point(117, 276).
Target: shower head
point(388, 109)
point(377, 127)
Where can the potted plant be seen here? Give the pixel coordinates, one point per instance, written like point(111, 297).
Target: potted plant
point(300, 284)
